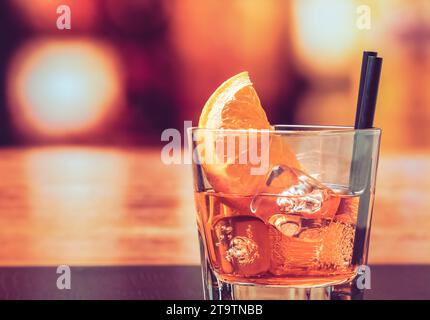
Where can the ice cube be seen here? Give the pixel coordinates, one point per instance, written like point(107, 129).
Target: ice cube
point(319, 246)
point(292, 191)
point(348, 209)
point(338, 241)
point(289, 255)
point(242, 249)
point(311, 234)
point(241, 245)
point(288, 225)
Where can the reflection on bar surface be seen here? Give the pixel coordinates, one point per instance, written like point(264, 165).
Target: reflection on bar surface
point(81, 205)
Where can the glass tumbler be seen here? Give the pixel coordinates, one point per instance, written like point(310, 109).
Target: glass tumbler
point(284, 213)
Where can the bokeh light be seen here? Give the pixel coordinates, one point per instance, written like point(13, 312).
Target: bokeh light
point(59, 88)
point(325, 31)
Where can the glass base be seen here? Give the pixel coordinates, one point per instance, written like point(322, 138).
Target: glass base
point(215, 289)
point(256, 292)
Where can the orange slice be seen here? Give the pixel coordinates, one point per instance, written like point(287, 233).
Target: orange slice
point(236, 105)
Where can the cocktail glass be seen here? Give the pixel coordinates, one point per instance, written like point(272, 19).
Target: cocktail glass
point(289, 232)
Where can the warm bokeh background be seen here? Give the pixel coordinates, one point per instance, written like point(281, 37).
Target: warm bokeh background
point(82, 111)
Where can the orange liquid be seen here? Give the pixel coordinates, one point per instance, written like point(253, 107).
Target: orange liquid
point(268, 247)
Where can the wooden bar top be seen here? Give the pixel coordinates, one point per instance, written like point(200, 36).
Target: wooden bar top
point(123, 206)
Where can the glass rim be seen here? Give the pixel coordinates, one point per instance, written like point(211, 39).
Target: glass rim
point(296, 130)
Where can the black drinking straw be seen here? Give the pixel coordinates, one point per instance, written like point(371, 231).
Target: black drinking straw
point(364, 63)
point(367, 99)
point(361, 166)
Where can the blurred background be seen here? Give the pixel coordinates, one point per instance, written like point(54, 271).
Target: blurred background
point(82, 111)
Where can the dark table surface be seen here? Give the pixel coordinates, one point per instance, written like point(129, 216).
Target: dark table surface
point(176, 282)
